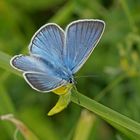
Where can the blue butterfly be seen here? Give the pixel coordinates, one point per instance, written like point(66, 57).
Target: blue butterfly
point(56, 55)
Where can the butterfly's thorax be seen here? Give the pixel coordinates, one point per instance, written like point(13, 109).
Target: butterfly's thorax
point(59, 70)
point(64, 73)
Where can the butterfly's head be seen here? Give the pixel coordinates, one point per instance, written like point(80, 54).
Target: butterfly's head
point(72, 80)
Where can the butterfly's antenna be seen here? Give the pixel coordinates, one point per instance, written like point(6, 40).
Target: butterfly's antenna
point(84, 76)
point(77, 94)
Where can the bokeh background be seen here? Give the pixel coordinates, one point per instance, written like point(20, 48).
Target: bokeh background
point(112, 70)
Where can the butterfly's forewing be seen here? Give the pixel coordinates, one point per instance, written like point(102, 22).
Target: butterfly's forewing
point(48, 43)
point(28, 63)
point(81, 38)
point(43, 82)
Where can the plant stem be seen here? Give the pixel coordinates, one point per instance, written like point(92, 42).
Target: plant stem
point(105, 112)
point(128, 14)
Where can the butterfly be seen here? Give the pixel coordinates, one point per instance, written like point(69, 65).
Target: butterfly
point(56, 55)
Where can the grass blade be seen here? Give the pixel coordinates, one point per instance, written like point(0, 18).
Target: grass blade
point(106, 113)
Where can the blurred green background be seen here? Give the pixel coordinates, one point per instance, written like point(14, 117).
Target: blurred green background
point(112, 70)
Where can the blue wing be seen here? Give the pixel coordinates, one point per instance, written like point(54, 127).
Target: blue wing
point(81, 38)
point(29, 63)
point(48, 43)
point(43, 82)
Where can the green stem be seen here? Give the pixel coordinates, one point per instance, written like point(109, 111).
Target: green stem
point(105, 112)
point(128, 14)
point(131, 135)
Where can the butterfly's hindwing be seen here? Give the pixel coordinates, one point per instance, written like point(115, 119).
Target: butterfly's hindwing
point(43, 82)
